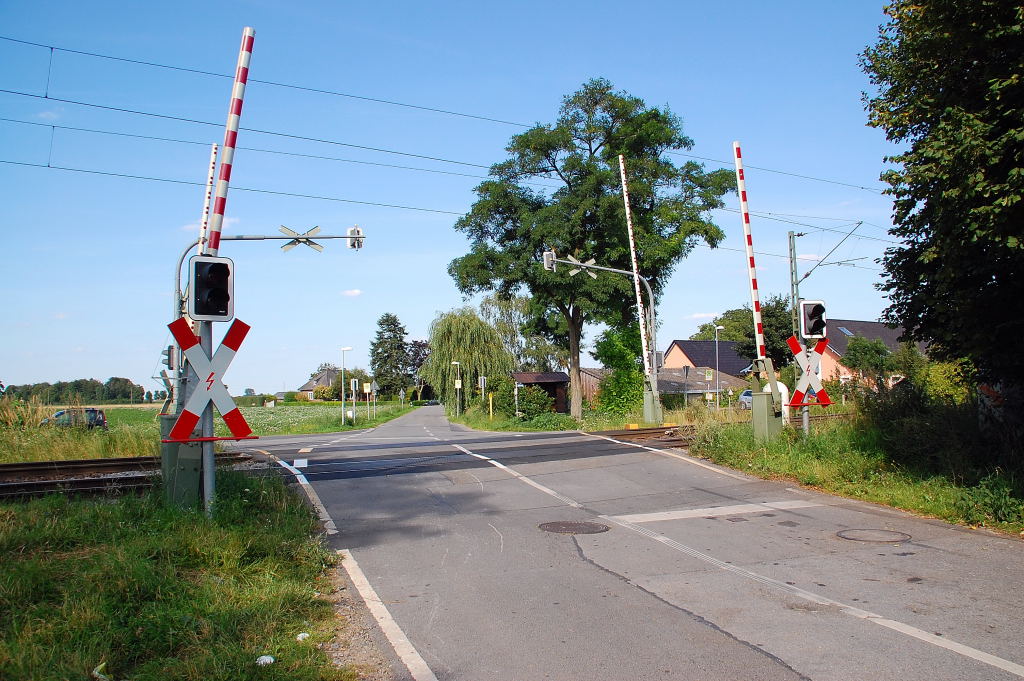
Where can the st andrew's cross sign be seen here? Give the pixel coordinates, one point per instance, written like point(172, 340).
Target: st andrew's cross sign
point(210, 386)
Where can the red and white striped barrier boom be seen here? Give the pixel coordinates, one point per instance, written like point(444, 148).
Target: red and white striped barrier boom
point(230, 137)
point(748, 244)
point(204, 223)
point(763, 361)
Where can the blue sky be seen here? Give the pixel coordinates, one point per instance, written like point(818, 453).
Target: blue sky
point(89, 258)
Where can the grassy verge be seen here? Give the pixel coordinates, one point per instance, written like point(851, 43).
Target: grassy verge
point(849, 459)
point(162, 594)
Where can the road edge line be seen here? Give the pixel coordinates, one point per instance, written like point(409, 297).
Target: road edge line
point(401, 644)
point(325, 518)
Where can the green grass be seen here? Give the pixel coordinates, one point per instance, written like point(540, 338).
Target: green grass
point(322, 417)
point(136, 431)
point(163, 594)
point(131, 432)
point(849, 459)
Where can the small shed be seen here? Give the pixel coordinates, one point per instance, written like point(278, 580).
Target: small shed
point(554, 383)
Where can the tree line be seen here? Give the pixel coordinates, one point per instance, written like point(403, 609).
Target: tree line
point(115, 390)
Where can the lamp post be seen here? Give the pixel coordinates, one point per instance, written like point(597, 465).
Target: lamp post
point(458, 386)
point(343, 351)
point(718, 376)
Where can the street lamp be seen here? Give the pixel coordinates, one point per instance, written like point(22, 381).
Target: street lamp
point(718, 376)
point(458, 386)
point(343, 351)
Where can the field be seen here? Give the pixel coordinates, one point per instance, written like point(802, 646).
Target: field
point(135, 430)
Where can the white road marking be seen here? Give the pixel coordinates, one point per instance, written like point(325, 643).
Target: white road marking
point(715, 511)
point(901, 627)
point(300, 463)
point(305, 450)
point(547, 490)
point(314, 498)
point(352, 435)
point(687, 459)
point(909, 630)
point(399, 641)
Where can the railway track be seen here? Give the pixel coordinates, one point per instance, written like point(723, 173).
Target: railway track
point(682, 436)
point(85, 476)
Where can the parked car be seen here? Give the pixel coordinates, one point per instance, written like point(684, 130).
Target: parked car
point(746, 399)
point(88, 417)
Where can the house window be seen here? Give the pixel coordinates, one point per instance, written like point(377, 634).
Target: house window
point(846, 331)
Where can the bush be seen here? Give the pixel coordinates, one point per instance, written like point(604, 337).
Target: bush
point(552, 421)
point(532, 400)
point(621, 391)
point(991, 500)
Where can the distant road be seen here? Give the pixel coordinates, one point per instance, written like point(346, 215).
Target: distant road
point(703, 572)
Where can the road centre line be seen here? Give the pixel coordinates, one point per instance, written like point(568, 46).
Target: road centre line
point(901, 627)
point(407, 653)
point(687, 459)
point(305, 450)
point(716, 511)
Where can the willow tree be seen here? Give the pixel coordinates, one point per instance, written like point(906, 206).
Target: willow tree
point(578, 210)
point(462, 336)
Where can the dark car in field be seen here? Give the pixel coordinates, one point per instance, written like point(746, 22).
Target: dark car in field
point(87, 417)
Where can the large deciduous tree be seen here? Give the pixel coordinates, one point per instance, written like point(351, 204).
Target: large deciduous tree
point(389, 355)
point(950, 87)
point(560, 189)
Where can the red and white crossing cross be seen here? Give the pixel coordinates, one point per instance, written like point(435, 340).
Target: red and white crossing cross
point(210, 386)
point(808, 373)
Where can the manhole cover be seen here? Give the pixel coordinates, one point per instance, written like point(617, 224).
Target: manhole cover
point(880, 536)
point(573, 527)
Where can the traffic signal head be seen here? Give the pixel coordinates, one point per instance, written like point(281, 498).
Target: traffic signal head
point(812, 319)
point(211, 289)
point(168, 356)
point(357, 240)
point(549, 260)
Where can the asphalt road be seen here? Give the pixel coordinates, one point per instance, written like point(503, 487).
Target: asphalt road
point(702, 572)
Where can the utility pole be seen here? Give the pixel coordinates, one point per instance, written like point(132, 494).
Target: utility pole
point(794, 293)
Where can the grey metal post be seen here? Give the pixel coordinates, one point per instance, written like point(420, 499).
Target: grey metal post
point(209, 466)
point(718, 375)
point(343, 351)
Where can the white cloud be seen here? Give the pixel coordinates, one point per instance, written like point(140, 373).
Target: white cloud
point(703, 315)
point(48, 115)
point(808, 256)
point(60, 315)
point(352, 293)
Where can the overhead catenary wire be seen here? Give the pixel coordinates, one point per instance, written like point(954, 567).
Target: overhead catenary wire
point(185, 119)
point(291, 86)
point(765, 215)
point(332, 198)
point(255, 149)
point(768, 216)
point(389, 102)
point(233, 188)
